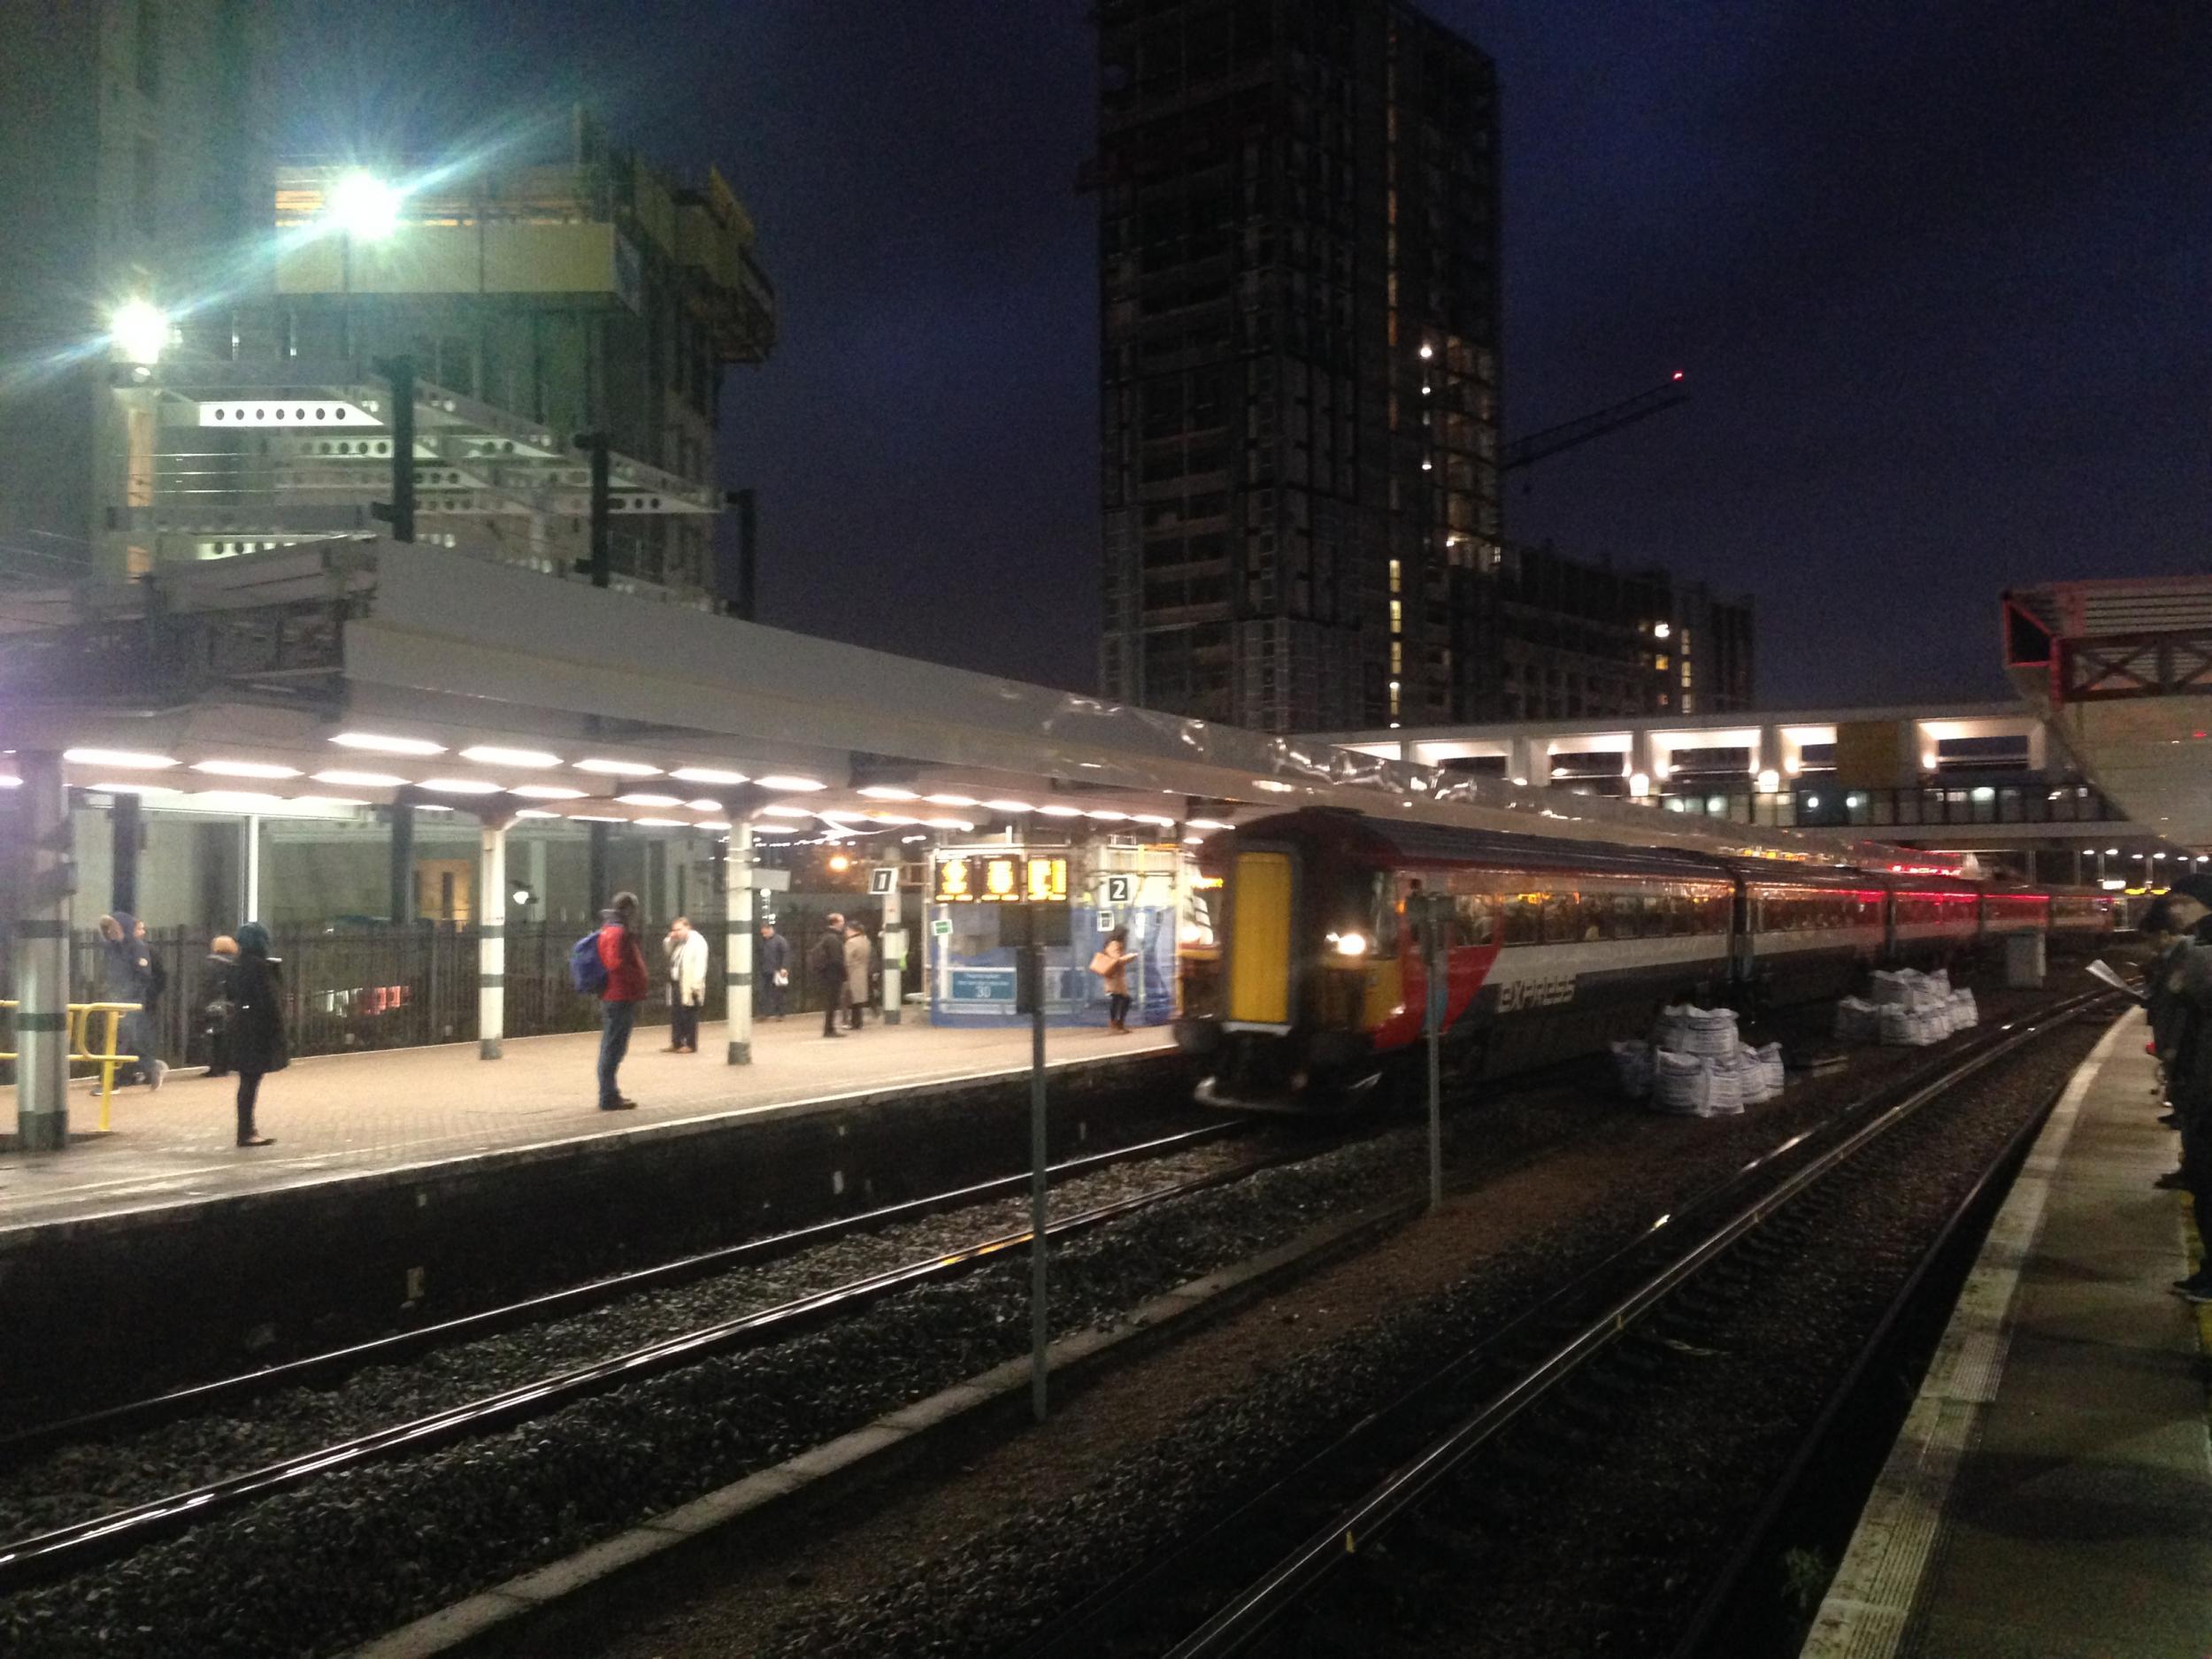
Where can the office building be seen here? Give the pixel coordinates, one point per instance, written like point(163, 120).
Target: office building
point(1299, 285)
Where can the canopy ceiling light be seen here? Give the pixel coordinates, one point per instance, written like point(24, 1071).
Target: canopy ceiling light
point(379, 743)
point(460, 785)
point(617, 768)
point(361, 780)
point(363, 206)
point(120, 759)
point(138, 330)
point(708, 774)
point(245, 769)
point(796, 784)
point(492, 755)
point(547, 792)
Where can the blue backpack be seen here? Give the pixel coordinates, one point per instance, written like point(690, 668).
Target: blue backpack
point(586, 971)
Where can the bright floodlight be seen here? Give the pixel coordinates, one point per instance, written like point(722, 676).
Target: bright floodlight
point(363, 206)
point(139, 329)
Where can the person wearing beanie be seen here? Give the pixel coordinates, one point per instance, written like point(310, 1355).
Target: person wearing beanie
point(256, 1024)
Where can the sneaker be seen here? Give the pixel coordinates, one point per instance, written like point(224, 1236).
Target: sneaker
point(156, 1072)
point(2172, 1181)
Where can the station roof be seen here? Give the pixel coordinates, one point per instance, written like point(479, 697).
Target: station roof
point(336, 675)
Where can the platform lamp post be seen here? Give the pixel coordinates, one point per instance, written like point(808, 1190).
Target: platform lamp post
point(491, 940)
point(41, 954)
point(1033, 927)
point(737, 962)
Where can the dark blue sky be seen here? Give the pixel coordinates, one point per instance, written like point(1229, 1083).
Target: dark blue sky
point(1938, 274)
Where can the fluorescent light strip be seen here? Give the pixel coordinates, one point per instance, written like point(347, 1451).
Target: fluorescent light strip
point(244, 769)
point(708, 774)
point(547, 792)
point(617, 768)
point(492, 755)
point(378, 743)
point(888, 792)
point(790, 781)
point(361, 780)
point(460, 785)
point(649, 800)
point(121, 759)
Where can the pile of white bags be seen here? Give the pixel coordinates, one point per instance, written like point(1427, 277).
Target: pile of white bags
point(1696, 1066)
point(1905, 1009)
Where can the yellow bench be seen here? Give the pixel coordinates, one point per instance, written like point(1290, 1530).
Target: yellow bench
point(81, 1051)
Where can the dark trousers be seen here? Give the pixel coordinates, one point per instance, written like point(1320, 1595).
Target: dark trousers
point(1117, 1009)
point(2196, 1167)
point(831, 999)
point(616, 1021)
point(853, 1012)
point(249, 1092)
point(768, 998)
point(683, 1027)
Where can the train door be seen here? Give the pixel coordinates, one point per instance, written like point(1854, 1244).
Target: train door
point(1259, 992)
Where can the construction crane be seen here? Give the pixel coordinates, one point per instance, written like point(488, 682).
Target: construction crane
point(1537, 445)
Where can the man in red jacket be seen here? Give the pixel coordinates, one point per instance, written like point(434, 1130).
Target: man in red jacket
point(625, 962)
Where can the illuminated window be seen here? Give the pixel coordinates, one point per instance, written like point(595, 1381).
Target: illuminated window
point(1397, 579)
point(1394, 697)
point(1397, 657)
point(1397, 616)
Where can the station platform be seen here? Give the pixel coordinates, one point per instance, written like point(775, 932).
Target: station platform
point(2050, 1494)
point(340, 1118)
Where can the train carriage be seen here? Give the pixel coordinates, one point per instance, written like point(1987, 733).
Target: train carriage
point(1554, 948)
point(1806, 935)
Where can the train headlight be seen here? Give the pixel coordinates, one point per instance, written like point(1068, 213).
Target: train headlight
point(1350, 944)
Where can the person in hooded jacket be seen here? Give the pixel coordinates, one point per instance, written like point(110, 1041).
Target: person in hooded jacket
point(222, 956)
point(256, 1025)
point(128, 974)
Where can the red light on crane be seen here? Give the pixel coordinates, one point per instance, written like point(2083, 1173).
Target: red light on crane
point(1677, 375)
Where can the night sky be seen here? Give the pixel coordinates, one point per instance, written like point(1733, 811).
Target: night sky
point(1937, 275)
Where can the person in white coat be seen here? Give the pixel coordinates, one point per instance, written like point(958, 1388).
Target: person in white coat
point(686, 950)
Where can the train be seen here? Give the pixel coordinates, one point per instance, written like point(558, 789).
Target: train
point(1315, 989)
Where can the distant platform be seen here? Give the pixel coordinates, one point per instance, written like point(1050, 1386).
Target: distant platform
point(2050, 1494)
point(356, 1117)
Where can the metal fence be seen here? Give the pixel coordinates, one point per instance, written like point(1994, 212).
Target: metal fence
point(349, 989)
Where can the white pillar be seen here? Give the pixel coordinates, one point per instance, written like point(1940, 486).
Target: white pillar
point(1770, 756)
point(253, 870)
point(737, 964)
point(1529, 760)
point(2038, 748)
point(894, 938)
point(41, 955)
point(491, 942)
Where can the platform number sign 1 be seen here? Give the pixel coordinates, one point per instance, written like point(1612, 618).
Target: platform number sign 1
point(1121, 889)
point(883, 878)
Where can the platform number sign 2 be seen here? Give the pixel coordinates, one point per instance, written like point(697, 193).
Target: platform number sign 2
point(883, 878)
point(1121, 889)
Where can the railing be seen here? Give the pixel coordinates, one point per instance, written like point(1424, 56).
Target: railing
point(81, 1053)
point(373, 985)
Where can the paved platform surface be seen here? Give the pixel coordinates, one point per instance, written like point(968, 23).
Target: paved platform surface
point(340, 1115)
point(2050, 1494)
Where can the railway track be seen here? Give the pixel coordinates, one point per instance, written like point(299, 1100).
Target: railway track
point(1384, 1504)
point(59, 1552)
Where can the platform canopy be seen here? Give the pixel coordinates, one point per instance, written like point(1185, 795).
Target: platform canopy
point(2122, 672)
point(331, 677)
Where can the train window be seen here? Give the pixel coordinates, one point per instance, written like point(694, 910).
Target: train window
point(1478, 918)
point(1562, 918)
point(1680, 919)
point(1655, 915)
point(1522, 915)
point(1627, 918)
point(1713, 913)
point(1385, 911)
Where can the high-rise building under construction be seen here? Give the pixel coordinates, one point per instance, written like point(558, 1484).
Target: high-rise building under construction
point(1299, 250)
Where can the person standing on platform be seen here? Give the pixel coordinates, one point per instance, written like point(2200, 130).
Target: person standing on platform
point(1111, 964)
point(2189, 1069)
point(857, 960)
point(771, 971)
point(686, 950)
point(222, 956)
point(129, 974)
point(2167, 925)
point(256, 1025)
point(625, 987)
point(826, 966)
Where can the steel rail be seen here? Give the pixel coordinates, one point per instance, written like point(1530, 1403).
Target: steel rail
point(1888, 1331)
point(155, 1409)
point(1242, 1620)
point(72, 1548)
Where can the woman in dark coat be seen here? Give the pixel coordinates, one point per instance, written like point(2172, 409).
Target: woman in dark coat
point(257, 1024)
